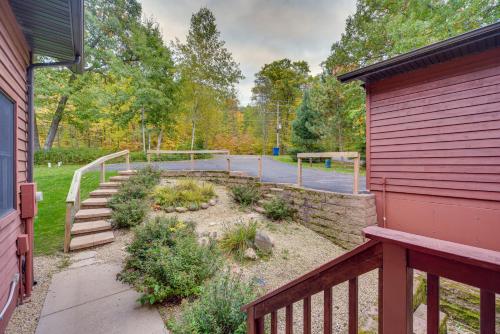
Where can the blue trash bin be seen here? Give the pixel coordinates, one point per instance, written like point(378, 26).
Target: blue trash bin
point(328, 163)
point(276, 151)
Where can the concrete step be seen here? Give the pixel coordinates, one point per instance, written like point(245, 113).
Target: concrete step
point(119, 178)
point(91, 227)
point(259, 209)
point(278, 190)
point(127, 172)
point(238, 173)
point(91, 240)
point(84, 215)
point(95, 203)
point(110, 185)
point(103, 192)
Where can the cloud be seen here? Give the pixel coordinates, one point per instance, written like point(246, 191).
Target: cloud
point(259, 31)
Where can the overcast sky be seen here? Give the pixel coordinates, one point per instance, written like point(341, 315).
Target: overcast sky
point(259, 31)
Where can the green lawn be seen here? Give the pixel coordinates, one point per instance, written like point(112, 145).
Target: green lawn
point(54, 183)
point(337, 166)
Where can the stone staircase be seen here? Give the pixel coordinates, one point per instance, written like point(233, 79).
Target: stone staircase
point(267, 196)
point(92, 226)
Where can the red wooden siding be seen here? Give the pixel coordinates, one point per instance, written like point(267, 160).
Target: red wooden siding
point(14, 59)
point(434, 135)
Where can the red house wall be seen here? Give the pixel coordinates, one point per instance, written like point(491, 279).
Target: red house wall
point(14, 59)
point(434, 135)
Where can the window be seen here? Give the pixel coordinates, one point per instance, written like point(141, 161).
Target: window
point(7, 189)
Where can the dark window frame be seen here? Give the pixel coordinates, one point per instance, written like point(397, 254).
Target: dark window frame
point(7, 216)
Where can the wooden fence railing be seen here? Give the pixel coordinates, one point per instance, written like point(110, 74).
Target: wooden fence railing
point(73, 197)
point(395, 254)
point(331, 155)
point(190, 152)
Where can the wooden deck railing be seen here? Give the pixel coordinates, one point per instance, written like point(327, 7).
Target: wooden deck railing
point(73, 197)
point(190, 152)
point(396, 254)
point(331, 155)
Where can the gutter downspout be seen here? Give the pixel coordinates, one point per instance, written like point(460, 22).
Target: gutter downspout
point(31, 108)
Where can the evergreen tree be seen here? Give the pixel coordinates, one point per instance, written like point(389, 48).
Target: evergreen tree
point(305, 135)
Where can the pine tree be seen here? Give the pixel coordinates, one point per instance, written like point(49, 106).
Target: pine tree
point(305, 135)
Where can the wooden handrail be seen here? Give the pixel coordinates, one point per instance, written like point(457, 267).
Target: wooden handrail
point(188, 152)
point(359, 261)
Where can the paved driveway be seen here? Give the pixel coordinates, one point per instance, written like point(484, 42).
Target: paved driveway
point(273, 171)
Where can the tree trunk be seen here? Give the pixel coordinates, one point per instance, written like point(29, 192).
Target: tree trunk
point(143, 132)
point(192, 135)
point(158, 144)
point(37, 137)
point(56, 119)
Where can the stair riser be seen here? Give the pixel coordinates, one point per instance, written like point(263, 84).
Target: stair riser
point(102, 195)
point(93, 206)
point(93, 231)
point(93, 245)
point(89, 219)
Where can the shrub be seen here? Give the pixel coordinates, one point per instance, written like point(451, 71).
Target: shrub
point(245, 195)
point(218, 310)
point(186, 193)
point(166, 262)
point(238, 238)
point(76, 156)
point(130, 204)
point(278, 209)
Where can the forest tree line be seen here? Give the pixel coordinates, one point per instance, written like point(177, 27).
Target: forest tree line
point(139, 91)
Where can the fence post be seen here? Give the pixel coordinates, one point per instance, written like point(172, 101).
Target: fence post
point(67, 226)
point(103, 173)
point(260, 168)
point(299, 172)
point(149, 157)
point(356, 174)
point(127, 160)
point(228, 164)
point(192, 161)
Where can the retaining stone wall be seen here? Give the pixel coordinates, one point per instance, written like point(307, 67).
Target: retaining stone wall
point(339, 217)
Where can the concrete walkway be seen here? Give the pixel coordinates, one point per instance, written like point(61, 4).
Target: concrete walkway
point(86, 298)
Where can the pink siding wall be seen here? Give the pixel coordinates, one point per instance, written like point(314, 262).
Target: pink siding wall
point(434, 135)
point(14, 59)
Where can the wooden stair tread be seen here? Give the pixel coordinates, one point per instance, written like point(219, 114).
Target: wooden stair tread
point(127, 172)
point(103, 192)
point(90, 226)
point(110, 184)
point(93, 213)
point(95, 201)
point(91, 240)
point(119, 178)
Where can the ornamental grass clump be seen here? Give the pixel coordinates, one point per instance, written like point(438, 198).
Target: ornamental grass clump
point(245, 195)
point(186, 193)
point(278, 209)
point(166, 262)
point(239, 238)
point(130, 205)
point(218, 310)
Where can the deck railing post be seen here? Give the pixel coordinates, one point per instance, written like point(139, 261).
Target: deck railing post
point(254, 326)
point(397, 300)
point(192, 161)
point(260, 168)
point(127, 161)
point(67, 226)
point(228, 164)
point(356, 175)
point(103, 173)
point(299, 172)
point(149, 157)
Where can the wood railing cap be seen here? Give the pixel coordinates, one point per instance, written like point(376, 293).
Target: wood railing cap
point(328, 155)
point(188, 152)
point(450, 250)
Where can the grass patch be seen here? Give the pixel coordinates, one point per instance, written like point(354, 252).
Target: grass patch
point(245, 195)
point(238, 238)
point(278, 209)
point(337, 166)
point(166, 262)
point(218, 310)
point(186, 193)
point(54, 183)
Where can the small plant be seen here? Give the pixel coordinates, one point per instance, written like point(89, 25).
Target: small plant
point(218, 310)
point(166, 262)
point(245, 195)
point(278, 209)
point(186, 193)
point(238, 238)
point(129, 213)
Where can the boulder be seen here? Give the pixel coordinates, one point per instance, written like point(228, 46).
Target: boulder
point(204, 206)
point(250, 254)
point(170, 209)
point(181, 209)
point(212, 202)
point(263, 242)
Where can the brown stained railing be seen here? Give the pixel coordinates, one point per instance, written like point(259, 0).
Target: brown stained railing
point(191, 154)
point(73, 197)
point(396, 254)
point(347, 267)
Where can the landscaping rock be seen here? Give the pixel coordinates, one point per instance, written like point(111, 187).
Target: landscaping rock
point(170, 209)
point(212, 202)
point(181, 209)
point(263, 242)
point(250, 254)
point(204, 206)
point(193, 208)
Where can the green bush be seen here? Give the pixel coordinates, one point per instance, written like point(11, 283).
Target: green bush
point(166, 262)
point(186, 193)
point(238, 238)
point(141, 156)
point(73, 156)
point(218, 310)
point(278, 209)
point(130, 205)
point(245, 195)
